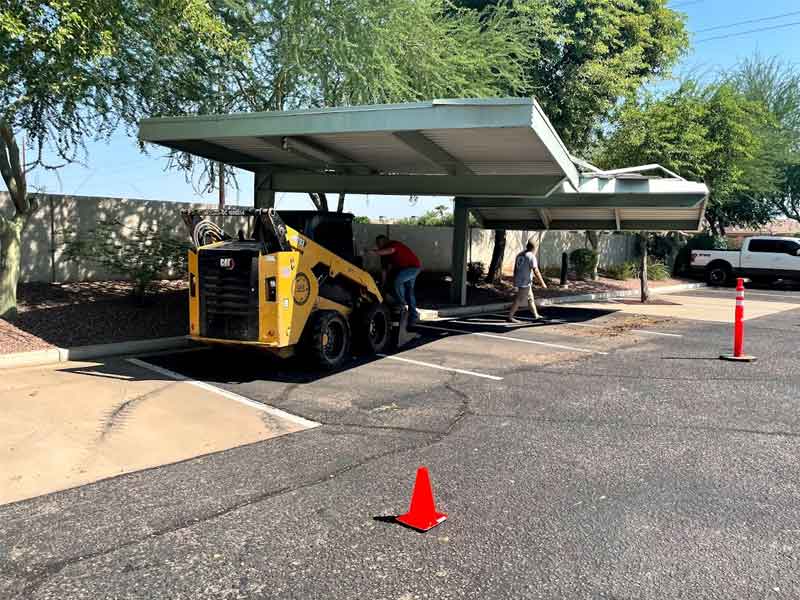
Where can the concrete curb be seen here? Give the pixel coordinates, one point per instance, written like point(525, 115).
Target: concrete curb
point(58, 355)
point(469, 311)
point(618, 294)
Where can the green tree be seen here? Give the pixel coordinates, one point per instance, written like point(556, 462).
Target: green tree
point(776, 85)
point(583, 56)
point(317, 53)
point(596, 53)
point(81, 68)
point(709, 133)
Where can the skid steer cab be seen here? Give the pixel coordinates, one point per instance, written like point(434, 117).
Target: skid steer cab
point(288, 283)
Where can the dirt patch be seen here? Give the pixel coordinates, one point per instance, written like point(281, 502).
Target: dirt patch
point(619, 325)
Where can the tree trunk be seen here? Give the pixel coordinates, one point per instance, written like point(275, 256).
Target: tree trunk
point(643, 275)
point(593, 237)
point(496, 265)
point(10, 251)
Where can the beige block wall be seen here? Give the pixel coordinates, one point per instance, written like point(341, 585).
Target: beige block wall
point(43, 238)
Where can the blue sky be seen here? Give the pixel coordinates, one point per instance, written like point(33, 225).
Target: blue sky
point(117, 168)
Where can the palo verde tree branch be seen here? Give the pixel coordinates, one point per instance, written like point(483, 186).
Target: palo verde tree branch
point(12, 171)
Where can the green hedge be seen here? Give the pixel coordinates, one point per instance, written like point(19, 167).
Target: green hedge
point(583, 261)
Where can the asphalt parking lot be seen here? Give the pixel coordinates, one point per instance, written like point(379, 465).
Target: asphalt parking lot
point(599, 454)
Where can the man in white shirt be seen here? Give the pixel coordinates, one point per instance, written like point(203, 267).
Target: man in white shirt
point(525, 265)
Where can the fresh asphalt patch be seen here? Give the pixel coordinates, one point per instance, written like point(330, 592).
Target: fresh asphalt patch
point(620, 475)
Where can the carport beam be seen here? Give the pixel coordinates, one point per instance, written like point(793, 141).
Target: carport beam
point(458, 291)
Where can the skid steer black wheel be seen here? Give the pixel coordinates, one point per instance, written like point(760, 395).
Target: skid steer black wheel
point(329, 339)
point(373, 328)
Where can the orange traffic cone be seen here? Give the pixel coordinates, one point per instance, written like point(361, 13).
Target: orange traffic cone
point(422, 513)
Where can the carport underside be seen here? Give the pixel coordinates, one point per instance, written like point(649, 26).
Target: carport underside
point(501, 159)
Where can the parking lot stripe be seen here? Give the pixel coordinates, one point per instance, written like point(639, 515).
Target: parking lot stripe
point(270, 410)
point(656, 333)
point(732, 293)
point(440, 367)
point(513, 339)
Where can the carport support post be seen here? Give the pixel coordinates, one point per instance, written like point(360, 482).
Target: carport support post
point(263, 194)
point(458, 291)
point(643, 267)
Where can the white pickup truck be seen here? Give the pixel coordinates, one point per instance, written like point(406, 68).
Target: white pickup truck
point(760, 258)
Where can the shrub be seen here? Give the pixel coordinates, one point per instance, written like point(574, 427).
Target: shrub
point(626, 270)
point(143, 254)
point(583, 261)
point(476, 271)
point(657, 270)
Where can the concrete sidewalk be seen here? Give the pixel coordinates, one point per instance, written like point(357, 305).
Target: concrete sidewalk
point(716, 309)
point(73, 423)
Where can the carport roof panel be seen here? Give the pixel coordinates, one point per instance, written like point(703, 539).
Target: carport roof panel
point(503, 136)
point(622, 204)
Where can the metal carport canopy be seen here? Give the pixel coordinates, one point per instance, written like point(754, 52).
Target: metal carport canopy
point(501, 157)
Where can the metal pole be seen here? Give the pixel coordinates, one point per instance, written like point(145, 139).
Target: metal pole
point(221, 185)
point(643, 276)
point(564, 267)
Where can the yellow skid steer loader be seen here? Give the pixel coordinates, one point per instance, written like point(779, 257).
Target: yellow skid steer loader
point(291, 284)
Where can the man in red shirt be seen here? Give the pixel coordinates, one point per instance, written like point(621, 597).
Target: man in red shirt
point(404, 266)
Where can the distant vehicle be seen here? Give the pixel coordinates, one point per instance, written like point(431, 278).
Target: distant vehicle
point(760, 258)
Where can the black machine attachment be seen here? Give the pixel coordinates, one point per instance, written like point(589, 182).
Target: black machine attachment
point(267, 227)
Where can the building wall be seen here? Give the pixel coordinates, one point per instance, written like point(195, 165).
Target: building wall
point(43, 238)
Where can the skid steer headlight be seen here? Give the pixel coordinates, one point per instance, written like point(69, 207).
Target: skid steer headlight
point(272, 289)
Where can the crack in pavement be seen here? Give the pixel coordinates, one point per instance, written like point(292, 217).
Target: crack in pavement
point(36, 578)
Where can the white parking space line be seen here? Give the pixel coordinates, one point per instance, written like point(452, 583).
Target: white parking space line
point(732, 293)
point(675, 335)
point(440, 367)
point(505, 316)
point(270, 410)
point(512, 339)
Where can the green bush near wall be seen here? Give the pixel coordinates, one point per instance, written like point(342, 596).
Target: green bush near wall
point(583, 261)
point(656, 270)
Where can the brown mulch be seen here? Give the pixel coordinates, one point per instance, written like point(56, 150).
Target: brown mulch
point(79, 314)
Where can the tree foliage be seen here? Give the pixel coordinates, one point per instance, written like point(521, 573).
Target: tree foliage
point(317, 53)
point(776, 85)
point(710, 133)
point(77, 69)
point(584, 55)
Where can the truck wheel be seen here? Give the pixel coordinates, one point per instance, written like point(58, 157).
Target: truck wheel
point(373, 328)
point(718, 274)
point(329, 339)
